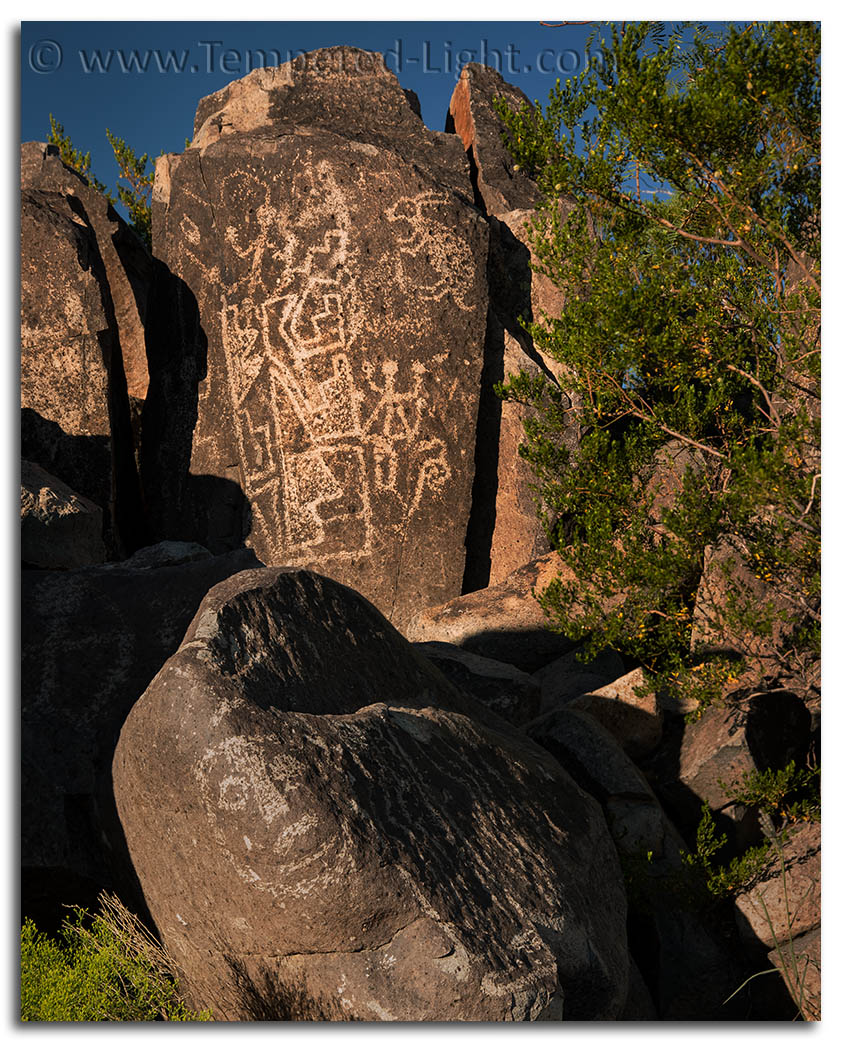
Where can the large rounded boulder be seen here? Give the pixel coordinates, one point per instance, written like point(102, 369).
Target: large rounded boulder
point(324, 828)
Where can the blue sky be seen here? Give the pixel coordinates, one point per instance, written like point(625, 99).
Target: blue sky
point(88, 73)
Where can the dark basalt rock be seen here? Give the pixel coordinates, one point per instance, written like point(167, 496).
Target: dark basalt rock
point(313, 810)
point(344, 305)
point(93, 639)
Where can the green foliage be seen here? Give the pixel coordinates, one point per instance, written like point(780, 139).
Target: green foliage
point(135, 194)
point(72, 157)
point(101, 967)
point(709, 873)
point(720, 880)
point(789, 795)
point(782, 798)
point(680, 217)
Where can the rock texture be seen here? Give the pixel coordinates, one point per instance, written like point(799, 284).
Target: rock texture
point(311, 813)
point(772, 912)
point(684, 961)
point(128, 265)
point(338, 266)
point(801, 969)
point(727, 575)
point(323, 821)
point(58, 529)
point(473, 117)
point(633, 718)
point(92, 640)
point(768, 731)
point(509, 691)
point(597, 763)
point(82, 297)
point(503, 622)
point(568, 677)
point(506, 530)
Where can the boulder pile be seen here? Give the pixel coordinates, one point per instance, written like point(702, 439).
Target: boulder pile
point(287, 685)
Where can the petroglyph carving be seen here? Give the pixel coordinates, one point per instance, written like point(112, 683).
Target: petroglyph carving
point(427, 244)
point(239, 781)
point(320, 436)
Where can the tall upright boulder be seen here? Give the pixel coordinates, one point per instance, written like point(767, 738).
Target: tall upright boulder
point(79, 307)
point(128, 264)
point(473, 117)
point(507, 532)
point(338, 268)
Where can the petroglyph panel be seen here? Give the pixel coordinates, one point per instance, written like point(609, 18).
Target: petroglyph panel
point(344, 353)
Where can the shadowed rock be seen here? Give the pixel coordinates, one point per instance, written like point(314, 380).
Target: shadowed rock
point(635, 719)
point(780, 906)
point(313, 810)
point(92, 641)
point(503, 622)
point(568, 677)
point(76, 420)
point(801, 969)
point(58, 529)
point(683, 959)
point(507, 690)
point(338, 265)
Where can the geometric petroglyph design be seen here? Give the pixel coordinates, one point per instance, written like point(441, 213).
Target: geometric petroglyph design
point(318, 437)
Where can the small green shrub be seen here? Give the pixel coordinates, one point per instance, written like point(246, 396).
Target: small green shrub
point(719, 880)
point(782, 797)
point(101, 967)
point(791, 794)
point(135, 195)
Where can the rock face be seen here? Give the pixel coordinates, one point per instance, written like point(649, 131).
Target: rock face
point(801, 969)
point(58, 529)
point(784, 917)
point(568, 677)
point(76, 418)
point(472, 116)
point(634, 719)
point(767, 732)
point(506, 531)
point(510, 692)
point(338, 266)
point(503, 622)
point(772, 911)
point(597, 763)
point(128, 265)
point(728, 574)
point(92, 641)
point(312, 814)
point(683, 960)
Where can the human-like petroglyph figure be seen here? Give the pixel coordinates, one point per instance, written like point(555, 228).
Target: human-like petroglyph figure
point(339, 269)
point(295, 325)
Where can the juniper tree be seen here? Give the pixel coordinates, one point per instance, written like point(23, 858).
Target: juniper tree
point(681, 217)
point(134, 195)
